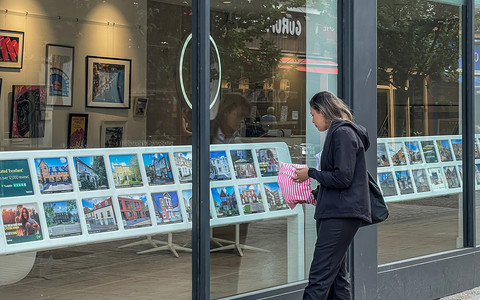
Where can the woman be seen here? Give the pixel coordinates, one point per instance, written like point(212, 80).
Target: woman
point(342, 202)
point(233, 110)
point(30, 226)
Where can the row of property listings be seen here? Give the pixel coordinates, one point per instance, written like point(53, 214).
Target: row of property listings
point(137, 190)
point(409, 168)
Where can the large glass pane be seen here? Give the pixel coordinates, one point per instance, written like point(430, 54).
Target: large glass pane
point(419, 154)
point(274, 56)
point(92, 121)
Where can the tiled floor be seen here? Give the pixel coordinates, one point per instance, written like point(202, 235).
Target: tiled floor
point(104, 271)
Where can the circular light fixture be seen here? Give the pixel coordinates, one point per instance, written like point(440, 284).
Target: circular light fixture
point(182, 86)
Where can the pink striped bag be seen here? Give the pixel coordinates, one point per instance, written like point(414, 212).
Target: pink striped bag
point(294, 192)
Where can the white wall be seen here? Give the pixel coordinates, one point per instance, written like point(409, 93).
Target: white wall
point(104, 28)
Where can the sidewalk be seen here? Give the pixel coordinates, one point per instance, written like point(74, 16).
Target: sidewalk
point(473, 294)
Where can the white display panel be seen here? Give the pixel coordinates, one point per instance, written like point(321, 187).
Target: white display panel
point(418, 167)
point(137, 192)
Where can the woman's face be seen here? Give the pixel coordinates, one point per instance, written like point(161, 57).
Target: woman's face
point(25, 213)
point(319, 120)
point(234, 120)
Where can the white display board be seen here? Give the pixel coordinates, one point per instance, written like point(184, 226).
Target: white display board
point(419, 167)
point(79, 196)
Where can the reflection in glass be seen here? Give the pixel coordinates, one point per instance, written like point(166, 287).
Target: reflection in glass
point(419, 96)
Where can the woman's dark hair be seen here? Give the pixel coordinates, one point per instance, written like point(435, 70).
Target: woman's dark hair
point(332, 107)
point(24, 221)
point(229, 102)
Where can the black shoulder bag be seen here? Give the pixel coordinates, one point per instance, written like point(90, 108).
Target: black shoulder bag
point(379, 209)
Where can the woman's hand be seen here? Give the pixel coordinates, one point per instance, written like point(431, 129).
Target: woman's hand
point(302, 175)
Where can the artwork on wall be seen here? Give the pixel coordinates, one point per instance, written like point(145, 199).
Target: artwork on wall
point(77, 131)
point(59, 75)
point(108, 82)
point(11, 49)
point(140, 107)
point(113, 134)
point(28, 111)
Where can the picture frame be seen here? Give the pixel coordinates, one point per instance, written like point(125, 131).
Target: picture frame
point(59, 74)
point(108, 82)
point(114, 134)
point(11, 49)
point(28, 111)
point(140, 107)
point(77, 131)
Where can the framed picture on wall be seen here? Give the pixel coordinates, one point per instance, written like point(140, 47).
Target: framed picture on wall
point(59, 75)
point(113, 134)
point(77, 131)
point(28, 111)
point(11, 49)
point(108, 82)
point(140, 107)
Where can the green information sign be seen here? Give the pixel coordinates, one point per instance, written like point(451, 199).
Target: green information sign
point(15, 178)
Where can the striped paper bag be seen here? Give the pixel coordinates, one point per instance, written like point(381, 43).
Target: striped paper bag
point(294, 192)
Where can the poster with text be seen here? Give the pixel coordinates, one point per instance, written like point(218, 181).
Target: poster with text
point(62, 218)
point(429, 152)
point(99, 214)
point(15, 178)
point(21, 223)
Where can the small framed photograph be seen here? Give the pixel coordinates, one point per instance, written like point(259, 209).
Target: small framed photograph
point(77, 131)
point(114, 134)
point(108, 82)
point(11, 49)
point(140, 107)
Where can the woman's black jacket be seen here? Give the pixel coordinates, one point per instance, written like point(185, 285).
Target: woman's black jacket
point(343, 190)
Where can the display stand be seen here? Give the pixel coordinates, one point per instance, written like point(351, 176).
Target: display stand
point(142, 205)
point(155, 243)
point(233, 244)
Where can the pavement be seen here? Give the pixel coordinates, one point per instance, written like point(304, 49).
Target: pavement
point(473, 294)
